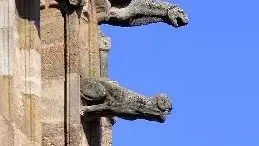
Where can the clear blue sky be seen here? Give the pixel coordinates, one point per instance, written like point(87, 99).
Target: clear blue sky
point(210, 69)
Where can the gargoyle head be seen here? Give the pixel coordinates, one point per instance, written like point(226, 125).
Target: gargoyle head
point(177, 16)
point(164, 105)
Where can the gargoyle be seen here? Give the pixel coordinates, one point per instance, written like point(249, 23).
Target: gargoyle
point(106, 99)
point(127, 13)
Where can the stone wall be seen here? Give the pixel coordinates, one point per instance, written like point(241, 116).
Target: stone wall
point(43, 54)
point(70, 50)
point(53, 76)
point(20, 73)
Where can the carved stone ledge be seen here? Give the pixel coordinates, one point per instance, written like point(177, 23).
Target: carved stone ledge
point(106, 98)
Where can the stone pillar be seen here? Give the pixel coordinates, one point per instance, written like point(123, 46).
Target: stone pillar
point(106, 123)
point(20, 74)
point(70, 50)
point(60, 76)
point(105, 47)
point(93, 128)
point(53, 76)
point(72, 80)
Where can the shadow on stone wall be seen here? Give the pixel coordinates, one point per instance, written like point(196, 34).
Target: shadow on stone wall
point(92, 131)
point(29, 10)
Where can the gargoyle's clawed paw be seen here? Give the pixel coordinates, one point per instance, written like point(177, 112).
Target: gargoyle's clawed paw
point(177, 16)
point(84, 110)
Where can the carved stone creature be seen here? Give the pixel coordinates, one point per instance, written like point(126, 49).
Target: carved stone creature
point(106, 99)
point(127, 13)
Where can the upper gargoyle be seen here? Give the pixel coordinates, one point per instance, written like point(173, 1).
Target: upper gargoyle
point(127, 13)
point(106, 99)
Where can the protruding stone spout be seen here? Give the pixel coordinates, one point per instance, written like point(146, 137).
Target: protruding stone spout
point(107, 98)
point(128, 13)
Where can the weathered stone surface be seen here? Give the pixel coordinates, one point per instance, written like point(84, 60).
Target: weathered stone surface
point(5, 96)
point(115, 100)
point(52, 105)
point(36, 125)
point(75, 128)
point(8, 33)
point(106, 122)
point(6, 132)
point(61, 68)
point(22, 140)
point(106, 131)
point(27, 67)
point(105, 46)
point(20, 83)
point(52, 52)
point(84, 48)
point(53, 72)
point(53, 134)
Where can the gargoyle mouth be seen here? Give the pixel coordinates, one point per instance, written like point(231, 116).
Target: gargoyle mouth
point(163, 103)
point(177, 16)
point(181, 22)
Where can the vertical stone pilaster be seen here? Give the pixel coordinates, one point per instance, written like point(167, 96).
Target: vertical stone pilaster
point(64, 53)
point(95, 130)
point(6, 76)
point(70, 49)
point(53, 76)
point(105, 46)
point(72, 70)
point(27, 74)
point(106, 123)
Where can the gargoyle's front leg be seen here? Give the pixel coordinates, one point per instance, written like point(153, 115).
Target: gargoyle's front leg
point(93, 108)
point(142, 12)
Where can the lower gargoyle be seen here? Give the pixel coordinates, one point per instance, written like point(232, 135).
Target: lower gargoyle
point(106, 98)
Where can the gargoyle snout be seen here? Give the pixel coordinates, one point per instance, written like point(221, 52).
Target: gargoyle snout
point(177, 16)
point(182, 19)
point(163, 103)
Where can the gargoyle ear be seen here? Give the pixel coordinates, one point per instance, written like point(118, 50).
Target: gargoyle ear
point(163, 102)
